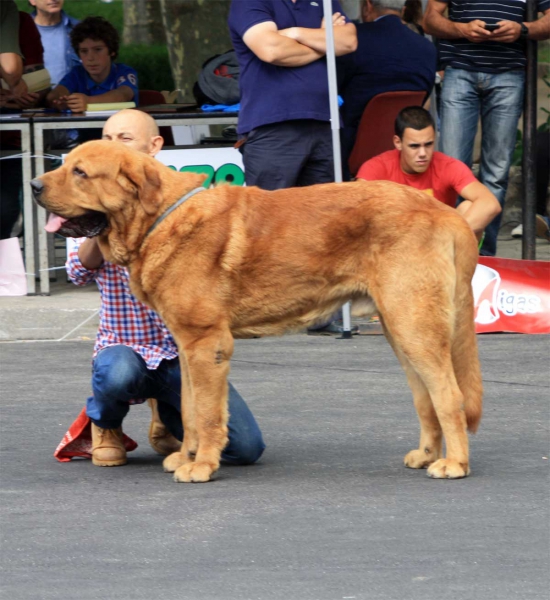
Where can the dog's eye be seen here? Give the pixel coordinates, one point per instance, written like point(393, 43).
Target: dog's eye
point(79, 172)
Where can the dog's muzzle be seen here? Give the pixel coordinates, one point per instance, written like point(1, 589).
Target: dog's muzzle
point(37, 189)
point(90, 224)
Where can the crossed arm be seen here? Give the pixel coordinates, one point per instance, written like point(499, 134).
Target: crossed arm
point(435, 23)
point(479, 207)
point(298, 46)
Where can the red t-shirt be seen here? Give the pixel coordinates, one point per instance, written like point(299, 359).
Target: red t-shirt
point(444, 179)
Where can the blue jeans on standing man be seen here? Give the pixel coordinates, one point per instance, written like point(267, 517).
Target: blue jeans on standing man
point(119, 375)
point(498, 99)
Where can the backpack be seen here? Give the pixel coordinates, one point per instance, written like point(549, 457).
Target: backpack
point(218, 81)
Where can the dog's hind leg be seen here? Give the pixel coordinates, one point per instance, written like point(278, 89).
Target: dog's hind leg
point(429, 448)
point(424, 336)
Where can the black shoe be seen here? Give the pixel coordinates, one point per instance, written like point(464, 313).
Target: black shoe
point(333, 328)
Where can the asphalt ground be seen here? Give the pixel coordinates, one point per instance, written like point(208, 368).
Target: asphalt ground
point(329, 512)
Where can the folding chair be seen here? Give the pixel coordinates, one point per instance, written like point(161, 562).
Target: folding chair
point(376, 128)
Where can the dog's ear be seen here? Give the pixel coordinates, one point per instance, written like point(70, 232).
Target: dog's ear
point(144, 176)
point(150, 192)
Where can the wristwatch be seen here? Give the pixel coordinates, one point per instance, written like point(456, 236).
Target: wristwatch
point(524, 33)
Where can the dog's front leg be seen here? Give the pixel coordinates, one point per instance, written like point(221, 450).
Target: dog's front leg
point(208, 367)
point(190, 440)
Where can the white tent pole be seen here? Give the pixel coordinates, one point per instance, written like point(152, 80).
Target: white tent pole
point(335, 126)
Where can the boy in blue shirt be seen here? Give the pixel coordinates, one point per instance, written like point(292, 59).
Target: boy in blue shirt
point(98, 79)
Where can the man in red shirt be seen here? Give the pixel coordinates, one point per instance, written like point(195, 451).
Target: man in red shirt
point(414, 163)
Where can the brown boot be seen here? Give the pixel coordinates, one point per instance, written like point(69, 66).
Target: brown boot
point(107, 447)
point(161, 440)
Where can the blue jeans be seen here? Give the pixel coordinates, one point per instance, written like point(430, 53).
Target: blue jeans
point(498, 99)
point(119, 375)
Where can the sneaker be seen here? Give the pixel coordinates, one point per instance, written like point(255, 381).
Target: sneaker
point(160, 439)
point(517, 232)
point(541, 228)
point(333, 328)
point(107, 447)
point(543, 231)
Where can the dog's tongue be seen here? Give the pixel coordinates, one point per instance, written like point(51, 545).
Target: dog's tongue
point(54, 223)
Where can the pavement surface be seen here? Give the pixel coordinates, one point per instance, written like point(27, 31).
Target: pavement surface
point(329, 512)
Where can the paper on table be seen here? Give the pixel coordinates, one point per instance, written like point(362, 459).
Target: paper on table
point(36, 81)
point(109, 106)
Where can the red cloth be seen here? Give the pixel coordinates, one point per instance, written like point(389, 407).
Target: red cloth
point(78, 440)
point(444, 179)
point(30, 41)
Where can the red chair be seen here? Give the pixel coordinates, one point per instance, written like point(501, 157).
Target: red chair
point(150, 98)
point(376, 128)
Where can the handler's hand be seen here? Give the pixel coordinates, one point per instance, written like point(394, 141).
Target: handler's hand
point(474, 31)
point(77, 102)
point(507, 32)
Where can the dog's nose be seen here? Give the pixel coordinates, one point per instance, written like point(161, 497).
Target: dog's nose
point(37, 187)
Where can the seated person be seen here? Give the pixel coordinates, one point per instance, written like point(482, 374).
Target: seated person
point(98, 79)
point(411, 16)
point(11, 186)
point(389, 58)
point(414, 163)
point(135, 357)
point(55, 26)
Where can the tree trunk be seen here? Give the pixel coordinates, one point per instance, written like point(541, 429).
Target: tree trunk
point(143, 23)
point(195, 30)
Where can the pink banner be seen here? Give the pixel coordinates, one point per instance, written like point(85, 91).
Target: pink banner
point(512, 295)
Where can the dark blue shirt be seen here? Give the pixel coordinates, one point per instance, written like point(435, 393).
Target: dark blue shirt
point(389, 58)
point(272, 94)
point(78, 81)
point(486, 57)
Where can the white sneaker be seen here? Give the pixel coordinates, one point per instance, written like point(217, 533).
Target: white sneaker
point(542, 229)
point(517, 232)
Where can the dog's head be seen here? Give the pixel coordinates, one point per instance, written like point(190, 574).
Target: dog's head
point(99, 182)
point(105, 186)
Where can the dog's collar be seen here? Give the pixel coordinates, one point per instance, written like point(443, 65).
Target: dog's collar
point(172, 208)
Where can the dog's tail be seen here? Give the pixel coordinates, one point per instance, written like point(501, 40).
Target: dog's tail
point(464, 345)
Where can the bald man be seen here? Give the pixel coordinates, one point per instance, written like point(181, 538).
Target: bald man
point(135, 357)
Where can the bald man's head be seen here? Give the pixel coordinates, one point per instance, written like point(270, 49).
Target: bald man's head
point(135, 129)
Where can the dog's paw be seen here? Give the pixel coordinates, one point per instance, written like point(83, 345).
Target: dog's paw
point(172, 462)
point(418, 459)
point(194, 473)
point(446, 468)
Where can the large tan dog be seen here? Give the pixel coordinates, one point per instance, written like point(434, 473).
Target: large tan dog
point(236, 262)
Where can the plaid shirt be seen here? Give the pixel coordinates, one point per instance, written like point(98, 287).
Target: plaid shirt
point(123, 318)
